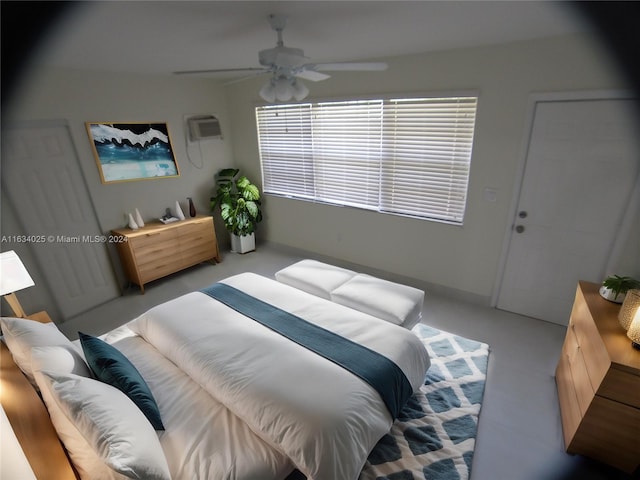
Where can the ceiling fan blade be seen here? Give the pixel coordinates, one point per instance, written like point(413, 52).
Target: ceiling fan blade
point(222, 70)
point(355, 66)
point(242, 79)
point(312, 75)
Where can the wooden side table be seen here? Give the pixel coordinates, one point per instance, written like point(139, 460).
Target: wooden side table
point(30, 420)
point(42, 317)
point(598, 379)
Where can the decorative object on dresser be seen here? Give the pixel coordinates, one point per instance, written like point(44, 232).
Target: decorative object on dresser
point(133, 225)
point(156, 250)
point(239, 202)
point(614, 288)
point(139, 220)
point(14, 277)
point(192, 207)
point(598, 380)
point(179, 212)
point(629, 308)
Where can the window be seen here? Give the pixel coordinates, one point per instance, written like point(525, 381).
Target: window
point(408, 156)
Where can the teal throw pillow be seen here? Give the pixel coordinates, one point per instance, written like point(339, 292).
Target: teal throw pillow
point(110, 366)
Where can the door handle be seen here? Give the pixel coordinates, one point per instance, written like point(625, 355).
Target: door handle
point(519, 228)
point(522, 214)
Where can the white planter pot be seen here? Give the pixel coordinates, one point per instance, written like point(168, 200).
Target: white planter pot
point(608, 294)
point(243, 244)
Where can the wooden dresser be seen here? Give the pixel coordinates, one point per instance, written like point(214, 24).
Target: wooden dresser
point(157, 250)
point(598, 379)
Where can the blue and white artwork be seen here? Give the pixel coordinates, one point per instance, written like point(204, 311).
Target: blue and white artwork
point(132, 151)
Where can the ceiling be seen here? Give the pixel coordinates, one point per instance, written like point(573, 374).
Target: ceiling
point(160, 37)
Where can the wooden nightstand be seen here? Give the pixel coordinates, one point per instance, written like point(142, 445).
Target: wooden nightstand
point(598, 379)
point(42, 317)
point(30, 419)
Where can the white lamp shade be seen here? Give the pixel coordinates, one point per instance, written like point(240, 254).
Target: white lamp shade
point(300, 90)
point(629, 307)
point(634, 329)
point(284, 90)
point(13, 274)
point(268, 92)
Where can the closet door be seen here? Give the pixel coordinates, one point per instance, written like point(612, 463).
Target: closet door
point(42, 180)
point(581, 168)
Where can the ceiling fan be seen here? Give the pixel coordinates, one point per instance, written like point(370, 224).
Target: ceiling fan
point(287, 65)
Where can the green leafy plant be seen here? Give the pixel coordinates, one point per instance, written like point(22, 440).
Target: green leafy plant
point(239, 202)
point(618, 284)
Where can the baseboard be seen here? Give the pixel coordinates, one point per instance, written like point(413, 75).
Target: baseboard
point(428, 287)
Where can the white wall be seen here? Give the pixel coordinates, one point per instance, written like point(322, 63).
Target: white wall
point(77, 97)
point(80, 96)
point(461, 258)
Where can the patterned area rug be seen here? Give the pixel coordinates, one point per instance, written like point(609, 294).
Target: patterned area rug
point(434, 437)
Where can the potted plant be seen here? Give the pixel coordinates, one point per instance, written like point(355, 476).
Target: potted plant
point(614, 288)
point(239, 202)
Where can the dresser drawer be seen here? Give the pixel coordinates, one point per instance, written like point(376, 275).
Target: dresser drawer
point(609, 433)
point(154, 247)
point(151, 241)
point(622, 387)
point(202, 226)
point(158, 268)
point(594, 352)
point(579, 374)
point(569, 408)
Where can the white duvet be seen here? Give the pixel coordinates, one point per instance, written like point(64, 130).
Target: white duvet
point(293, 406)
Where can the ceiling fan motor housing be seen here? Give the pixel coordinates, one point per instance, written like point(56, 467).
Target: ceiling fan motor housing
point(282, 57)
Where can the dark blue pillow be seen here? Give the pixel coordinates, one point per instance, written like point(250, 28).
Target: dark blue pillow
point(110, 366)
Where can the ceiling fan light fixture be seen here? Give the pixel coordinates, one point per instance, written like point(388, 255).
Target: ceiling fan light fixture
point(284, 89)
point(300, 90)
point(268, 91)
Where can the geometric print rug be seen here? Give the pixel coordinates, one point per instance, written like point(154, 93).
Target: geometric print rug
point(435, 434)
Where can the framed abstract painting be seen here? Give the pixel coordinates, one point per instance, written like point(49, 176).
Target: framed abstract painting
point(132, 151)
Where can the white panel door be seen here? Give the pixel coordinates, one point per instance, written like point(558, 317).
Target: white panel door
point(581, 167)
point(41, 177)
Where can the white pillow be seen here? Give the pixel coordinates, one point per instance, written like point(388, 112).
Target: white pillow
point(393, 302)
point(59, 359)
point(98, 423)
point(21, 335)
point(314, 277)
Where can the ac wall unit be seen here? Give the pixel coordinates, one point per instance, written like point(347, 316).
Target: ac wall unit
point(204, 128)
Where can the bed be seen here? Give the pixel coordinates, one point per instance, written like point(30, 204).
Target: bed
point(237, 397)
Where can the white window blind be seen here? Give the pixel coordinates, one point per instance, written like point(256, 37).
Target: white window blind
point(402, 156)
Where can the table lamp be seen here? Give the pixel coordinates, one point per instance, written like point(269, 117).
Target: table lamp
point(13, 277)
point(634, 330)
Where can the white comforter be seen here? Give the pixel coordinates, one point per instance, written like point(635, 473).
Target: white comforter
point(320, 416)
point(202, 440)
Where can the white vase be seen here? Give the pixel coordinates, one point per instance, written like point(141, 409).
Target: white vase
point(132, 223)
point(243, 244)
point(179, 213)
point(139, 220)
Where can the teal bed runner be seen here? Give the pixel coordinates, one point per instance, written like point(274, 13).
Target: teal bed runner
point(375, 369)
